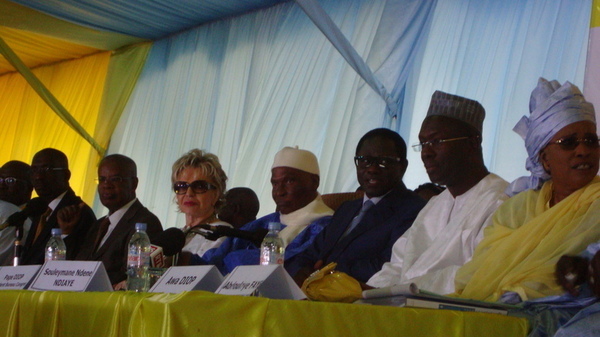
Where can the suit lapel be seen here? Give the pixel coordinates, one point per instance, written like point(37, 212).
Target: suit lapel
point(120, 229)
point(376, 216)
point(344, 221)
point(45, 234)
point(87, 251)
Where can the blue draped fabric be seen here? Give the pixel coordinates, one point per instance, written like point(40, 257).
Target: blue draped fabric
point(585, 324)
point(149, 19)
point(235, 252)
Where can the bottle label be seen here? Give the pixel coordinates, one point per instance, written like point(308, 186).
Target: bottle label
point(268, 257)
point(138, 259)
point(56, 255)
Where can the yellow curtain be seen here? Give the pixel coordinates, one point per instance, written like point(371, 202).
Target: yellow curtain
point(31, 125)
point(35, 49)
point(24, 18)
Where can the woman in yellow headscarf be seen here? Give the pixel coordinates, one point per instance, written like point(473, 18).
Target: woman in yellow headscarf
point(559, 211)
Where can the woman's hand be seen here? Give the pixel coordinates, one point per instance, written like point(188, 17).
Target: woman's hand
point(571, 272)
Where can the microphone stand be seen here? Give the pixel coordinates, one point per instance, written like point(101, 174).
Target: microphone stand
point(18, 251)
point(214, 232)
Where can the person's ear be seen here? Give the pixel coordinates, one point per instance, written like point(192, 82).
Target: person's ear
point(316, 181)
point(544, 161)
point(402, 167)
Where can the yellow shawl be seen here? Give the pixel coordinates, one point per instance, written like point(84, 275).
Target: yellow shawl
point(521, 247)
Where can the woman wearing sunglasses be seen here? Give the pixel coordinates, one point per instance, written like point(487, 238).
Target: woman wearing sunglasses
point(558, 211)
point(199, 185)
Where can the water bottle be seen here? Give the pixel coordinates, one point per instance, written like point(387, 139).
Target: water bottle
point(271, 249)
point(138, 260)
point(56, 248)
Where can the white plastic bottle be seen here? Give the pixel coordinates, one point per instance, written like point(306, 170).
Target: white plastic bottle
point(56, 248)
point(138, 260)
point(272, 250)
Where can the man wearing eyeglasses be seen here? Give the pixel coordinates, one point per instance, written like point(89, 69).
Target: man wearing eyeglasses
point(15, 192)
point(362, 232)
point(444, 235)
point(50, 176)
point(16, 185)
point(108, 237)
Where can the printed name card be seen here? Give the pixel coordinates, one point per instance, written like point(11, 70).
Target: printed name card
point(17, 277)
point(72, 276)
point(269, 281)
point(188, 278)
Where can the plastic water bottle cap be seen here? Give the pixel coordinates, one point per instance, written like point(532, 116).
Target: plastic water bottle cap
point(140, 226)
point(56, 231)
point(274, 226)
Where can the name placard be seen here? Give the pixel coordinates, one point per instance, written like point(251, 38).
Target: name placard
point(270, 281)
point(17, 277)
point(188, 278)
point(72, 276)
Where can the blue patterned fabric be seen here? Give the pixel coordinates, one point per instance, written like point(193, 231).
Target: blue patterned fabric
point(235, 252)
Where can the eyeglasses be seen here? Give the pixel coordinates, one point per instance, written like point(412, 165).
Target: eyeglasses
point(111, 180)
point(433, 143)
point(9, 181)
point(198, 187)
point(45, 169)
point(382, 162)
point(571, 143)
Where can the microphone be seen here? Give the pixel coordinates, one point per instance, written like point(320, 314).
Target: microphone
point(215, 232)
point(157, 258)
point(35, 207)
point(170, 240)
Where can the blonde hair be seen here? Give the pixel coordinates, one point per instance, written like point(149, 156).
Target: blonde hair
point(208, 163)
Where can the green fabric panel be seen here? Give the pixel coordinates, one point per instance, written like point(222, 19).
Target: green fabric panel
point(20, 17)
point(46, 95)
point(125, 67)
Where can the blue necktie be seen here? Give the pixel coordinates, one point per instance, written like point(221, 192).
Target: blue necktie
point(365, 207)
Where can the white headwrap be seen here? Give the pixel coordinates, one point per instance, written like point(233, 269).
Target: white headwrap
point(552, 107)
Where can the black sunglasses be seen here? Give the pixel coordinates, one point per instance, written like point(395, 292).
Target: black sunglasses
point(198, 187)
point(572, 143)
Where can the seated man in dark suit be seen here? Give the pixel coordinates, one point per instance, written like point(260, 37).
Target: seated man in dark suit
point(362, 232)
point(16, 187)
point(15, 192)
point(50, 178)
point(109, 237)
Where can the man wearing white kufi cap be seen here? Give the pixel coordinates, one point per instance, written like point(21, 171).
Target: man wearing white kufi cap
point(300, 210)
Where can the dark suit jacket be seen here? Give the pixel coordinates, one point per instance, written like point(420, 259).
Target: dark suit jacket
point(365, 249)
point(113, 253)
point(33, 252)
